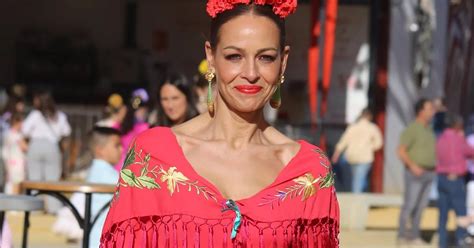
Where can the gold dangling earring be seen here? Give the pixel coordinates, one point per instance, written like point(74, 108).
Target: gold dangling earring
point(210, 103)
point(275, 102)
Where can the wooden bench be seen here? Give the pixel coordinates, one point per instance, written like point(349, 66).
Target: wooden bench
point(355, 207)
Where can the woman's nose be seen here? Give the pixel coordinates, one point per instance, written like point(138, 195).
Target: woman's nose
point(251, 72)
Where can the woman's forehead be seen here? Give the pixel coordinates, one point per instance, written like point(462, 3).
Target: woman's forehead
point(250, 30)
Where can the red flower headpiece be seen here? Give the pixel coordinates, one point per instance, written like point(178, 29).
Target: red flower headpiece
point(281, 8)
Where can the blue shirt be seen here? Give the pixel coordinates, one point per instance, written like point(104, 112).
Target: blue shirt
point(100, 172)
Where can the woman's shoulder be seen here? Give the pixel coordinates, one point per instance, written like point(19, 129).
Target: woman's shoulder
point(157, 140)
point(314, 158)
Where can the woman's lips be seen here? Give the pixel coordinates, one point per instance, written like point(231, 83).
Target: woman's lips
point(248, 89)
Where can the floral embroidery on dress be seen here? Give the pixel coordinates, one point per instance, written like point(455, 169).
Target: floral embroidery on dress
point(305, 186)
point(149, 174)
point(175, 178)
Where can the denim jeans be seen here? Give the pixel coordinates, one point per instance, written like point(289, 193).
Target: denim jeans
point(343, 172)
point(452, 195)
point(359, 176)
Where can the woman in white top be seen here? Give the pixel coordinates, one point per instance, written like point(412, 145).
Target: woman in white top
point(45, 126)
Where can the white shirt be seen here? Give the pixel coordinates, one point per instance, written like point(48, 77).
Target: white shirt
point(36, 126)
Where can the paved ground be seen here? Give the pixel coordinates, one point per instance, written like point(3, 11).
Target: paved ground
point(381, 231)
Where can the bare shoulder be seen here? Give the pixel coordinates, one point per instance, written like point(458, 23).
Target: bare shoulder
point(189, 131)
point(284, 144)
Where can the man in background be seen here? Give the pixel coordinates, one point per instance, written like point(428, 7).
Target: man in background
point(417, 152)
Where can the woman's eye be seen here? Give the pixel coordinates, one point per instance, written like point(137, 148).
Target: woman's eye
point(267, 58)
point(233, 57)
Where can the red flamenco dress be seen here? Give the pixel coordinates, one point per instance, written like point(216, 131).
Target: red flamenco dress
point(161, 201)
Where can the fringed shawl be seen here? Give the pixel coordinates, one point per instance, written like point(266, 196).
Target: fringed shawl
point(161, 201)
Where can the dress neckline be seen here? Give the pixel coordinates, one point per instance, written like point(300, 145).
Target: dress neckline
point(214, 188)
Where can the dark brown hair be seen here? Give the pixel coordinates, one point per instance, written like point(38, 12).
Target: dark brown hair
point(181, 82)
point(47, 106)
point(242, 9)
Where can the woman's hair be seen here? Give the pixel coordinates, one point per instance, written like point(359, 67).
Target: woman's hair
point(114, 104)
point(139, 99)
point(242, 9)
point(46, 106)
point(179, 81)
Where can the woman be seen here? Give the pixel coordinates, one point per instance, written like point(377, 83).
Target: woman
point(135, 120)
point(226, 178)
point(45, 126)
point(176, 102)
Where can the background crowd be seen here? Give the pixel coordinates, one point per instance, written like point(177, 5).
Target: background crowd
point(35, 133)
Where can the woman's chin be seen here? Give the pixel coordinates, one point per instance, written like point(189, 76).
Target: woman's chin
point(248, 108)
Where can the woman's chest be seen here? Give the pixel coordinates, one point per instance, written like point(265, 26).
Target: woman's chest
point(236, 175)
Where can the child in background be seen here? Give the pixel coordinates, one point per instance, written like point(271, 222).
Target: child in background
point(114, 112)
point(135, 120)
point(107, 149)
point(13, 152)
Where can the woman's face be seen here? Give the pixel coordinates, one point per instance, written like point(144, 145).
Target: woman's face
point(174, 103)
point(248, 61)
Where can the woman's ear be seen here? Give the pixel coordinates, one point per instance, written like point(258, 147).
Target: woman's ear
point(284, 59)
point(209, 55)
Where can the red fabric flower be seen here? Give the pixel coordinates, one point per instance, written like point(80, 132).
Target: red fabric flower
point(282, 8)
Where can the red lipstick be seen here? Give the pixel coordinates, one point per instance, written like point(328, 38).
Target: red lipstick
point(248, 89)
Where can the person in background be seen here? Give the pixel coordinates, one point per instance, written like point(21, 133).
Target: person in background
point(417, 152)
point(135, 120)
point(201, 87)
point(358, 143)
point(105, 144)
point(439, 117)
point(115, 112)
point(470, 142)
point(45, 126)
point(176, 101)
point(470, 168)
point(14, 104)
point(13, 152)
point(452, 151)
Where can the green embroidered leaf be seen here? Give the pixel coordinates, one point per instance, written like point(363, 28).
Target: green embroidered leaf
point(130, 157)
point(147, 157)
point(148, 182)
point(143, 171)
point(327, 181)
point(129, 178)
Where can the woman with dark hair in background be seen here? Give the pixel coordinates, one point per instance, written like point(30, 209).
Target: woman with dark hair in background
point(45, 126)
point(134, 121)
point(176, 102)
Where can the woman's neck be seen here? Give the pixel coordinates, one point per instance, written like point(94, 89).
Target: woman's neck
point(238, 129)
